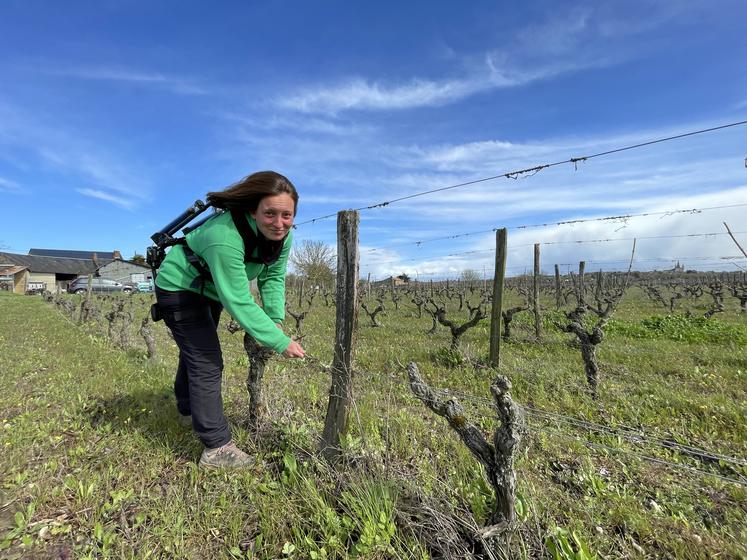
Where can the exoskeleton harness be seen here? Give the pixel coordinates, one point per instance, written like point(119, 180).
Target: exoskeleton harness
point(268, 251)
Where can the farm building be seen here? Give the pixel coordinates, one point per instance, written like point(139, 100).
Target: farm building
point(392, 281)
point(49, 273)
point(125, 271)
point(53, 269)
point(109, 265)
point(102, 256)
point(13, 278)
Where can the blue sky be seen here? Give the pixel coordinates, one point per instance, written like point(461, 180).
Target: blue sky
point(114, 115)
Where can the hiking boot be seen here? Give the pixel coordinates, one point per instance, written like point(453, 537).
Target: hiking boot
point(227, 455)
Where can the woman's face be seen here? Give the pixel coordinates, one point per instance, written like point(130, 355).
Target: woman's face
point(274, 216)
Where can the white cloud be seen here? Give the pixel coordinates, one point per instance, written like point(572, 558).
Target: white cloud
point(556, 36)
point(362, 94)
point(108, 197)
point(6, 185)
point(114, 74)
point(579, 38)
point(294, 123)
point(663, 239)
point(359, 93)
point(66, 151)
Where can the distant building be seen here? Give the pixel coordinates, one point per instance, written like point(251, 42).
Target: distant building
point(124, 271)
point(391, 281)
point(53, 269)
point(53, 273)
point(678, 268)
point(13, 278)
point(64, 253)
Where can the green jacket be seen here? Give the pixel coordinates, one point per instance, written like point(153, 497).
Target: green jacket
point(219, 245)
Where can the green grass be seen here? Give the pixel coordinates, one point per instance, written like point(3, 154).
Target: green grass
point(95, 464)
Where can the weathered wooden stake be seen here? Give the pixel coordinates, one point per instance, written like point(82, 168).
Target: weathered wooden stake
point(340, 393)
point(85, 306)
point(495, 313)
point(536, 293)
point(557, 287)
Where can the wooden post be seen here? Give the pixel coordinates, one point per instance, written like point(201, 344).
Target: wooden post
point(557, 287)
point(340, 392)
point(581, 294)
point(536, 292)
point(85, 306)
point(495, 313)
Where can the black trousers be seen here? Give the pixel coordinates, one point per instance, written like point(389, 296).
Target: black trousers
point(193, 320)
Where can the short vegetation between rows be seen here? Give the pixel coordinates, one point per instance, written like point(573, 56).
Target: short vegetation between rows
point(443, 456)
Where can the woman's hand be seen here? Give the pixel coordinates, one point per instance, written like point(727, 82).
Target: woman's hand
point(294, 350)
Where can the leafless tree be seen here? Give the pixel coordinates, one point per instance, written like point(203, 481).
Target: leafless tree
point(315, 261)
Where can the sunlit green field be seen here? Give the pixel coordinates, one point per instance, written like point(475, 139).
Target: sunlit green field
point(95, 464)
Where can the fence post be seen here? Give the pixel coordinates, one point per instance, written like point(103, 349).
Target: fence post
point(536, 293)
point(557, 287)
point(340, 392)
point(495, 313)
point(581, 294)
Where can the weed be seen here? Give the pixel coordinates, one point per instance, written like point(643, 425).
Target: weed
point(563, 544)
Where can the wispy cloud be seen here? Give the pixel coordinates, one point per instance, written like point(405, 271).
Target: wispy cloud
point(359, 93)
point(114, 74)
point(371, 95)
point(580, 38)
point(108, 197)
point(64, 151)
point(6, 185)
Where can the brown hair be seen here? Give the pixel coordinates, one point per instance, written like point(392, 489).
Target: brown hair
point(246, 194)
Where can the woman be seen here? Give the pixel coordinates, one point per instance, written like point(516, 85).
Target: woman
point(212, 271)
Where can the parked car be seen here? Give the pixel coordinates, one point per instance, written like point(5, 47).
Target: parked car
point(146, 286)
point(80, 286)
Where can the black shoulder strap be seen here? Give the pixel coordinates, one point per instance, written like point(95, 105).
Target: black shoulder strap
point(269, 251)
point(194, 260)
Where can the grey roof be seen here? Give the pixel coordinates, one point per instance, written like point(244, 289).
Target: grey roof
point(52, 265)
point(133, 263)
point(100, 255)
point(10, 269)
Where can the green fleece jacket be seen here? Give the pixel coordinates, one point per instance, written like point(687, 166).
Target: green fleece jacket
point(219, 245)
